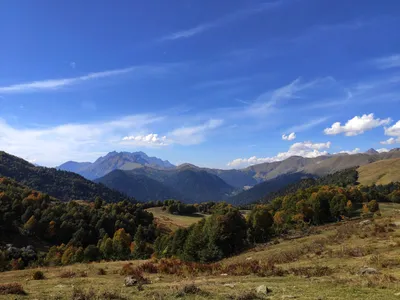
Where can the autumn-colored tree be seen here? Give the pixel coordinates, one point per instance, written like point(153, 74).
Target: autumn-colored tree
point(121, 243)
point(349, 207)
point(68, 255)
point(30, 224)
point(51, 229)
point(79, 255)
point(365, 208)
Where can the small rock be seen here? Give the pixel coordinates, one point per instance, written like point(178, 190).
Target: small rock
point(397, 294)
point(224, 274)
point(130, 281)
point(231, 285)
point(249, 258)
point(262, 289)
point(368, 271)
point(365, 222)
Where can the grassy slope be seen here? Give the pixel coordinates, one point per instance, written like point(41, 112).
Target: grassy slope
point(344, 283)
point(380, 172)
point(171, 221)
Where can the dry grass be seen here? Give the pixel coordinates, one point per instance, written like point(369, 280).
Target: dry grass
point(380, 172)
point(323, 265)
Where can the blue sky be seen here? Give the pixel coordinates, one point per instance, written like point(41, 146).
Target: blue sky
point(216, 83)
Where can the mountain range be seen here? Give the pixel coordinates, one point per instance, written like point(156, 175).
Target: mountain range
point(145, 178)
point(114, 161)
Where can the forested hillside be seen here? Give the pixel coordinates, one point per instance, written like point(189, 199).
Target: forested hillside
point(60, 184)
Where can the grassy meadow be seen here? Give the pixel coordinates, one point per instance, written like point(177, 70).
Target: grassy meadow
point(323, 263)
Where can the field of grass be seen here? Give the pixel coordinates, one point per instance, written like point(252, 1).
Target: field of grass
point(171, 221)
point(380, 172)
point(323, 264)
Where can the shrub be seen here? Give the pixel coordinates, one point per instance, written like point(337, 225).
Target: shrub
point(101, 271)
point(67, 274)
point(38, 275)
point(135, 272)
point(12, 289)
point(191, 289)
point(148, 267)
point(111, 296)
point(79, 294)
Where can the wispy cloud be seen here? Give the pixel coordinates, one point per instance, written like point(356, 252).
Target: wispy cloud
point(221, 82)
point(268, 101)
point(308, 125)
point(193, 134)
point(187, 33)
point(55, 84)
point(387, 62)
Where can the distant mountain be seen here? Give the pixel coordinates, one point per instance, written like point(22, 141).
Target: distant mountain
point(113, 161)
point(264, 188)
point(187, 183)
point(140, 187)
point(372, 151)
point(60, 184)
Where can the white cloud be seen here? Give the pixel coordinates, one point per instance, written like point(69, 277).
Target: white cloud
point(354, 151)
point(389, 141)
point(357, 125)
point(289, 137)
point(381, 150)
point(387, 62)
point(304, 149)
point(72, 64)
point(195, 134)
point(55, 84)
point(393, 130)
point(149, 139)
point(53, 145)
point(219, 22)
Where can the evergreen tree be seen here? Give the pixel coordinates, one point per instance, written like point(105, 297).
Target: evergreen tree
point(140, 248)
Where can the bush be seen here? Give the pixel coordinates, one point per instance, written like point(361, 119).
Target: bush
point(191, 289)
point(12, 289)
point(135, 272)
point(148, 267)
point(79, 294)
point(38, 275)
point(101, 271)
point(67, 274)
